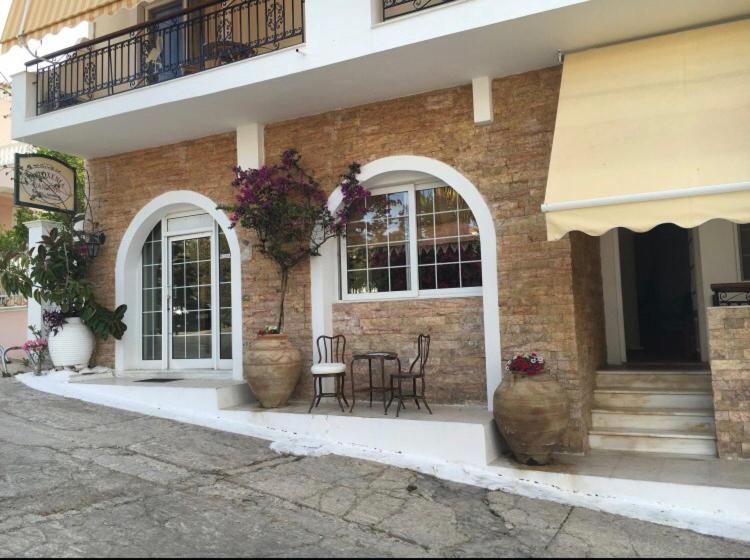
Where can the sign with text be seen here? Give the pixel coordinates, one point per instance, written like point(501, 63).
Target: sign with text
point(45, 183)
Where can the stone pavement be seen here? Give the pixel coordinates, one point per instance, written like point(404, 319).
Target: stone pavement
point(83, 480)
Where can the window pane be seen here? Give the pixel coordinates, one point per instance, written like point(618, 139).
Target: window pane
point(425, 226)
point(467, 223)
point(399, 279)
point(357, 282)
point(448, 276)
point(151, 306)
point(225, 270)
point(445, 199)
point(192, 347)
point(223, 245)
point(377, 231)
point(355, 233)
point(471, 249)
point(446, 252)
point(426, 252)
point(426, 277)
point(398, 229)
point(378, 256)
point(425, 199)
point(204, 273)
point(446, 224)
point(178, 347)
point(398, 254)
point(471, 275)
point(399, 205)
point(226, 347)
point(356, 258)
point(206, 350)
point(379, 281)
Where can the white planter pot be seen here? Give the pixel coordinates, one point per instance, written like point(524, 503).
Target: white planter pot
point(73, 345)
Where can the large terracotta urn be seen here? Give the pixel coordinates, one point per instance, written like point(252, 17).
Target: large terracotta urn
point(531, 412)
point(272, 369)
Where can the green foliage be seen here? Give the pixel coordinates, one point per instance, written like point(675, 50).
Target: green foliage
point(55, 273)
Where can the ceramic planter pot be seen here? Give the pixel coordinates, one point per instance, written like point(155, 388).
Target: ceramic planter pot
point(72, 346)
point(272, 369)
point(532, 413)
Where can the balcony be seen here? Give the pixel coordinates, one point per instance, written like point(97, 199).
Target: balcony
point(397, 8)
point(167, 82)
point(211, 35)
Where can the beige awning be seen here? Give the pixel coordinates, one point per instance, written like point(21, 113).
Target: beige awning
point(651, 132)
point(50, 16)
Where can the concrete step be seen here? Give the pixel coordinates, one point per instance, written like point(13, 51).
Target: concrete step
point(654, 419)
point(689, 399)
point(653, 441)
point(675, 380)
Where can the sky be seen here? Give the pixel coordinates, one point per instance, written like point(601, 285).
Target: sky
point(12, 62)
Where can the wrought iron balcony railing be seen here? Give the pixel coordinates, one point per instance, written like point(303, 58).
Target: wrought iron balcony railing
point(396, 8)
point(196, 39)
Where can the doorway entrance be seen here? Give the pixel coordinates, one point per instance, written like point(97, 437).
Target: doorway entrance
point(195, 307)
point(659, 295)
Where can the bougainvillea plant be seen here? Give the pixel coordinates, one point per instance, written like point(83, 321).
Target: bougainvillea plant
point(288, 211)
point(528, 364)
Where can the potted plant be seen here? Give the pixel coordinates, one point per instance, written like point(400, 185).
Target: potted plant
point(54, 273)
point(531, 409)
point(37, 350)
point(287, 210)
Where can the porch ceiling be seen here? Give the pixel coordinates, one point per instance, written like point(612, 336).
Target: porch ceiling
point(219, 100)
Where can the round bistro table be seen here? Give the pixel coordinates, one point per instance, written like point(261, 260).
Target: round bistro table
point(384, 388)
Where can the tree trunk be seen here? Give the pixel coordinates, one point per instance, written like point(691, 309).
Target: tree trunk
point(284, 284)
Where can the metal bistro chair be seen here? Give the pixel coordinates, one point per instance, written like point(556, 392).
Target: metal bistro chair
point(397, 379)
point(331, 365)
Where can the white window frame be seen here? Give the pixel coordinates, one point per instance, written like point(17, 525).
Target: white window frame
point(411, 190)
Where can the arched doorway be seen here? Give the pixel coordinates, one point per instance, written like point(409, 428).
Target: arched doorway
point(178, 271)
point(381, 175)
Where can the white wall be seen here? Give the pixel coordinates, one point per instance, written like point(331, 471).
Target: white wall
point(717, 245)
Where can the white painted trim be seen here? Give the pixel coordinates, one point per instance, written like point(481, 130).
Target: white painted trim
point(646, 197)
point(614, 320)
point(128, 256)
point(323, 290)
point(484, 108)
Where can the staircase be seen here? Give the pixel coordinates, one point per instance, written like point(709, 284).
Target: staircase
point(654, 411)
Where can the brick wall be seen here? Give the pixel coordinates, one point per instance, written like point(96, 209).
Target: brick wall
point(729, 341)
point(544, 306)
point(455, 370)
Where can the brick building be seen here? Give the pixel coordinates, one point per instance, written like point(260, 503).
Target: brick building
point(540, 193)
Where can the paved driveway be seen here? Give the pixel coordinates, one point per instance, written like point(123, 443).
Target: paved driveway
point(82, 480)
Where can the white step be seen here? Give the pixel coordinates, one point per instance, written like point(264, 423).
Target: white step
point(675, 380)
point(653, 441)
point(654, 419)
point(652, 399)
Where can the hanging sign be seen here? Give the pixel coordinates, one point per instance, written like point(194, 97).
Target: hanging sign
point(45, 183)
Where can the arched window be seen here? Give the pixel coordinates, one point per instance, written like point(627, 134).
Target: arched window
point(415, 239)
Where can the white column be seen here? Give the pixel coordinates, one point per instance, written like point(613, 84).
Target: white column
point(482, 93)
point(250, 147)
point(37, 229)
point(614, 324)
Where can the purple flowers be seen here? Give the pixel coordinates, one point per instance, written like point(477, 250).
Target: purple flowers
point(288, 211)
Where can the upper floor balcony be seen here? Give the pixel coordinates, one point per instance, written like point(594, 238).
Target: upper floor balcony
point(182, 70)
